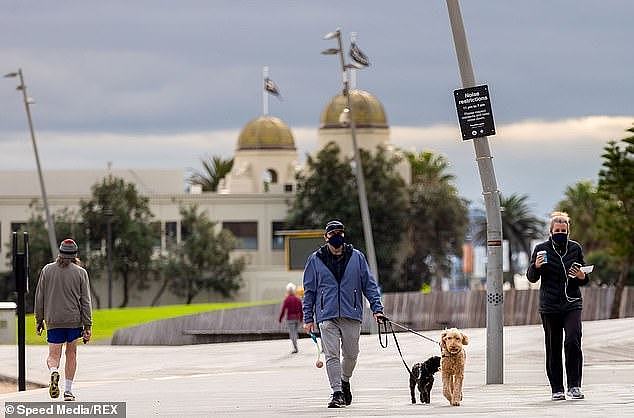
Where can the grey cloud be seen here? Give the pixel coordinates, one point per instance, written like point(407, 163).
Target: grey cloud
point(148, 66)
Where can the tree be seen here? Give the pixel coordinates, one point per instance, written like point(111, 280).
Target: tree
point(436, 222)
point(327, 190)
point(519, 228)
point(214, 169)
point(132, 234)
point(583, 204)
point(202, 259)
point(616, 220)
point(67, 225)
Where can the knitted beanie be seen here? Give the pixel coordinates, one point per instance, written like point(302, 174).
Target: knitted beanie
point(68, 249)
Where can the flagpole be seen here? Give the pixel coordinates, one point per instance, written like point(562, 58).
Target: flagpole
point(265, 95)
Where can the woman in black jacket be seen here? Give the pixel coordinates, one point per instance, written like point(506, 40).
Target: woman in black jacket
point(557, 263)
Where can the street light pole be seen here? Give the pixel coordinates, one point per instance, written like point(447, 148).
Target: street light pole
point(49, 220)
point(495, 293)
point(363, 198)
point(108, 213)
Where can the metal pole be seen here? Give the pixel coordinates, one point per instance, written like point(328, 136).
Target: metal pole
point(265, 94)
point(21, 274)
point(495, 295)
point(49, 220)
point(109, 256)
point(363, 198)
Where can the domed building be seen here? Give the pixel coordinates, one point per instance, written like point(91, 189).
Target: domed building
point(265, 158)
point(372, 129)
point(252, 201)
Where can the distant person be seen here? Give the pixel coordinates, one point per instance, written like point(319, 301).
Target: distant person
point(335, 278)
point(63, 308)
point(560, 304)
point(292, 309)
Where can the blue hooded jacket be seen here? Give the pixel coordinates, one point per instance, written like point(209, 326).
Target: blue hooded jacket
point(325, 298)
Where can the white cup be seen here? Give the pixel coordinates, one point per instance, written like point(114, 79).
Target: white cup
point(543, 253)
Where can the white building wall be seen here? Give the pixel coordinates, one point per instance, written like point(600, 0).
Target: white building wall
point(249, 166)
point(265, 276)
point(368, 139)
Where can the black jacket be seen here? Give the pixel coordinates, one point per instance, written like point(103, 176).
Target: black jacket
point(557, 293)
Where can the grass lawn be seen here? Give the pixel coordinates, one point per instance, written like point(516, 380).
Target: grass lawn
point(106, 321)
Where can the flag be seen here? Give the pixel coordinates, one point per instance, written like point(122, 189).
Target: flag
point(358, 56)
point(271, 87)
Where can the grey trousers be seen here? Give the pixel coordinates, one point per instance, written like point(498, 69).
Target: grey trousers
point(335, 334)
point(292, 331)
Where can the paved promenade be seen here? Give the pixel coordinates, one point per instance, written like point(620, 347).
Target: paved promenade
point(263, 379)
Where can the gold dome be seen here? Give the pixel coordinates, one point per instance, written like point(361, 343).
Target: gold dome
point(266, 132)
point(367, 111)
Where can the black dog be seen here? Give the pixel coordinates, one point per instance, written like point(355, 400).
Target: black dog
point(423, 375)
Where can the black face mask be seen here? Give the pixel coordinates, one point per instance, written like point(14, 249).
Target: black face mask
point(336, 241)
point(560, 238)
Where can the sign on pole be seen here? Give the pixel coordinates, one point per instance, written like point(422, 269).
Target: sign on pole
point(475, 116)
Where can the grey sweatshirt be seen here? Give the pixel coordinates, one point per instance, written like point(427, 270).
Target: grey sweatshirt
point(62, 298)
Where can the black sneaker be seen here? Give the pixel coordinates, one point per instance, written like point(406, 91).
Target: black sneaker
point(347, 395)
point(337, 401)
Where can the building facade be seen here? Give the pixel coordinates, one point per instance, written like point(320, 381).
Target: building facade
point(252, 201)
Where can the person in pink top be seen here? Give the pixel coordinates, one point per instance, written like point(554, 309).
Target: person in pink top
point(292, 309)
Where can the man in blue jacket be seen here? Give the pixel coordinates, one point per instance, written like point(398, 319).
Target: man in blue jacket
point(335, 278)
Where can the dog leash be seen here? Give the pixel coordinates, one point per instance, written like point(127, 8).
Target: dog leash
point(413, 332)
point(385, 322)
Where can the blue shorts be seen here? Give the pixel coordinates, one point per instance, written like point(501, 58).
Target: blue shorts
point(63, 335)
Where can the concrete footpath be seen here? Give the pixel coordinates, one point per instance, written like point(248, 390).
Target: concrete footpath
point(264, 379)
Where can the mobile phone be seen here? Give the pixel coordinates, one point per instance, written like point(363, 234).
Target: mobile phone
point(575, 264)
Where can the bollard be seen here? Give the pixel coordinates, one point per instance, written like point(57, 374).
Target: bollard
point(20, 257)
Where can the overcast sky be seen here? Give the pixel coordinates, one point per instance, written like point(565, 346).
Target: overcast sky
point(161, 83)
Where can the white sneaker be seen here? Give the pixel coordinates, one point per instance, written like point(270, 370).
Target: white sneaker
point(575, 393)
point(558, 396)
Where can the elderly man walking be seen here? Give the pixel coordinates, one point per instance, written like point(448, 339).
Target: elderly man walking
point(63, 307)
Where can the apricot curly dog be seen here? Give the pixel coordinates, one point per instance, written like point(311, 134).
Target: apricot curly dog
point(452, 364)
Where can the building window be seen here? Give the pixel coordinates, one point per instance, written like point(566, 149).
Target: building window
point(246, 234)
point(185, 232)
point(288, 188)
point(277, 241)
point(170, 235)
point(270, 176)
point(156, 235)
point(17, 226)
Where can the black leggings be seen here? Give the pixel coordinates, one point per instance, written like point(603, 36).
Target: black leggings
point(554, 325)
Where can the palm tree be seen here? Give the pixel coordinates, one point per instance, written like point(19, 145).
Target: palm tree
point(437, 221)
point(519, 228)
point(431, 168)
point(214, 170)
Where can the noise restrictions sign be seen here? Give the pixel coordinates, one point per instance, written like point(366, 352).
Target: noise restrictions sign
point(475, 116)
